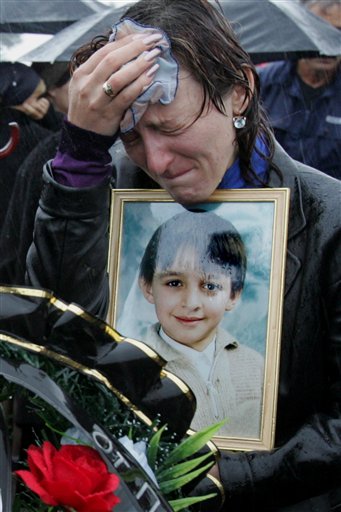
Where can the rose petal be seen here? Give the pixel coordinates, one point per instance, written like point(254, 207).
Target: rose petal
point(66, 470)
point(86, 458)
point(93, 503)
point(65, 494)
point(89, 455)
point(110, 484)
point(40, 459)
point(90, 462)
point(99, 504)
point(36, 461)
point(50, 453)
point(33, 484)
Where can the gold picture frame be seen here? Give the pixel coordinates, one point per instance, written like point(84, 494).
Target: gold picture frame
point(261, 218)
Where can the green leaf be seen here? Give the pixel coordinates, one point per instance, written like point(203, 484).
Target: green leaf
point(182, 468)
point(182, 503)
point(192, 444)
point(176, 483)
point(154, 446)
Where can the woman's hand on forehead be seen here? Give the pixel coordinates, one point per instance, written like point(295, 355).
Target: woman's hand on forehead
point(127, 66)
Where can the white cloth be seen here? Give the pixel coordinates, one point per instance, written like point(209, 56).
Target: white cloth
point(138, 451)
point(163, 87)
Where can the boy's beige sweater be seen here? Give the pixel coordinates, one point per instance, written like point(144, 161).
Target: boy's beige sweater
point(235, 387)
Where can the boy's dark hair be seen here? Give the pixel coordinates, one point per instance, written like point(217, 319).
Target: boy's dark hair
point(215, 240)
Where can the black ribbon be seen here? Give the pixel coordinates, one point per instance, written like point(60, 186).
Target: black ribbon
point(127, 366)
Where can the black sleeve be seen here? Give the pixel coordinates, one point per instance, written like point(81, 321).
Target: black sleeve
point(70, 244)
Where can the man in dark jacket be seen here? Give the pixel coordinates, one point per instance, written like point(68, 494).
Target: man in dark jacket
point(192, 151)
point(303, 100)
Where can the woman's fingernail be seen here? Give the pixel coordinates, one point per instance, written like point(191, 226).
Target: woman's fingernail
point(152, 70)
point(152, 38)
point(152, 54)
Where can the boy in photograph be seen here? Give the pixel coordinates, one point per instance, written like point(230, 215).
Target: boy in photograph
point(193, 271)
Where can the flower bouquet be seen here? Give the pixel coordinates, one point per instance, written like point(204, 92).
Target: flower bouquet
point(108, 426)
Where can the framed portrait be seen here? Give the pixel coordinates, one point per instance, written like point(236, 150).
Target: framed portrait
point(203, 287)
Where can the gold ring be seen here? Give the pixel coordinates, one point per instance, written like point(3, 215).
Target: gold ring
point(108, 90)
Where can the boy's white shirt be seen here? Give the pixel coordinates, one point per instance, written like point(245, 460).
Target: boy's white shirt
point(202, 360)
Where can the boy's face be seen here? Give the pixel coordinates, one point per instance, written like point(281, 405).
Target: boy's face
point(189, 303)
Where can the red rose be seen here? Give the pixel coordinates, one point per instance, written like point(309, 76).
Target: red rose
point(74, 477)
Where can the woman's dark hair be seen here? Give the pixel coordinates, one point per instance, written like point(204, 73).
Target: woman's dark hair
point(204, 42)
point(213, 239)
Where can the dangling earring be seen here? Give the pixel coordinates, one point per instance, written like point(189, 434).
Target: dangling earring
point(239, 122)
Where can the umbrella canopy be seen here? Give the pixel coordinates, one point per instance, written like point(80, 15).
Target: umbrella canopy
point(280, 29)
point(267, 29)
point(61, 46)
point(43, 17)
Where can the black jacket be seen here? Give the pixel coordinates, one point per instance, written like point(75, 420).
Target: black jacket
point(17, 229)
point(30, 135)
point(303, 472)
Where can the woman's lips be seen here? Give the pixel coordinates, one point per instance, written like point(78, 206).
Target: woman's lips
point(170, 175)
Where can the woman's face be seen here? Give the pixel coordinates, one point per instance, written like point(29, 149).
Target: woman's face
point(188, 160)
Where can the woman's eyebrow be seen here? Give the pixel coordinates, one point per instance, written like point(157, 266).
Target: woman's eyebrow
point(166, 124)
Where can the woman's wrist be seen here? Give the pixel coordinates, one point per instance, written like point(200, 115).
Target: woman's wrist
point(83, 157)
point(83, 144)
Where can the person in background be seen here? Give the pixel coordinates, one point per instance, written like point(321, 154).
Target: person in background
point(198, 126)
point(56, 77)
point(22, 89)
point(17, 228)
point(303, 101)
point(22, 100)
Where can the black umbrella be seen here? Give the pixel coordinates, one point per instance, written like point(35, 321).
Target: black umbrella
point(280, 29)
point(268, 30)
point(62, 45)
point(43, 17)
